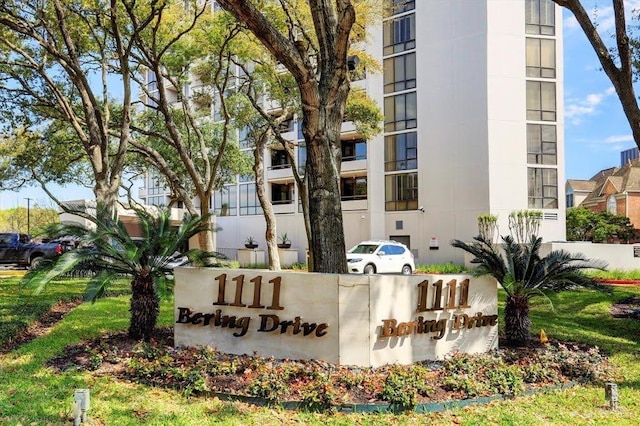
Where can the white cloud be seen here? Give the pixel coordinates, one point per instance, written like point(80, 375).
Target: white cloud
point(619, 138)
point(602, 16)
point(575, 109)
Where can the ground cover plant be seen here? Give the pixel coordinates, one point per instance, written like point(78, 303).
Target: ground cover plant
point(35, 391)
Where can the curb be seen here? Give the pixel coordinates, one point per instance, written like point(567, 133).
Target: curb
point(617, 282)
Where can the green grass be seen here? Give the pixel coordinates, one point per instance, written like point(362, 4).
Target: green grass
point(633, 274)
point(443, 268)
point(32, 393)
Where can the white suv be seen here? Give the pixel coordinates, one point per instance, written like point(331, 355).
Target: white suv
point(370, 257)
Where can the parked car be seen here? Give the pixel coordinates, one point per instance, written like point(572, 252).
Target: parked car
point(371, 257)
point(19, 249)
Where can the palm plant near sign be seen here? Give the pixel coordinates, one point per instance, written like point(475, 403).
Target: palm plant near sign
point(108, 251)
point(523, 275)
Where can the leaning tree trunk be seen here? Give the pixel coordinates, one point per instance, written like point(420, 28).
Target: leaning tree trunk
point(516, 320)
point(145, 307)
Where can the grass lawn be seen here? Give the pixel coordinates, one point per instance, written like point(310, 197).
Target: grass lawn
point(31, 393)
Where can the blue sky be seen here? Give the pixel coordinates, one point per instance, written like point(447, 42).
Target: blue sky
point(595, 127)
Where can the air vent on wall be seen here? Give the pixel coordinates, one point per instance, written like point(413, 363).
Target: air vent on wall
point(550, 216)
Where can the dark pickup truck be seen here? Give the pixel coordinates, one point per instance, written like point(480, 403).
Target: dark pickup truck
point(20, 250)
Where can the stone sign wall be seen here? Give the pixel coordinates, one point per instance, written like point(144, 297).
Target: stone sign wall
point(365, 320)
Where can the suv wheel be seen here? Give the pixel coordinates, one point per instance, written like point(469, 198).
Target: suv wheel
point(35, 262)
point(369, 269)
point(406, 270)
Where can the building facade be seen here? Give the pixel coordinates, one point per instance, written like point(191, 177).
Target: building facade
point(472, 96)
point(616, 190)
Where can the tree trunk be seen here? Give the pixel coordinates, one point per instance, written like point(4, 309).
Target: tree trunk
point(324, 87)
point(267, 208)
point(145, 307)
point(516, 320)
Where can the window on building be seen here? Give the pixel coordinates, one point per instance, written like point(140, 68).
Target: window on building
point(400, 73)
point(354, 150)
point(400, 112)
point(249, 203)
point(401, 192)
point(541, 101)
point(401, 152)
point(569, 199)
point(282, 193)
point(244, 141)
point(157, 201)
point(353, 188)
point(285, 126)
point(541, 57)
point(399, 34)
point(279, 159)
point(540, 17)
point(225, 201)
point(541, 144)
point(393, 7)
point(302, 158)
point(612, 206)
point(543, 188)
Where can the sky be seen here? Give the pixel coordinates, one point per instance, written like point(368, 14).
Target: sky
point(595, 127)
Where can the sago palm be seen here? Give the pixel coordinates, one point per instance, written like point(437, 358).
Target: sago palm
point(108, 252)
point(524, 275)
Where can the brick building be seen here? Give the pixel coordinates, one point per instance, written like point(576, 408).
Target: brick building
point(616, 190)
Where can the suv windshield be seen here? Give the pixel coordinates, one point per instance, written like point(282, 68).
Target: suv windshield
point(364, 248)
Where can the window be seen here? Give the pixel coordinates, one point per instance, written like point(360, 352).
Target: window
point(354, 150)
point(540, 17)
point(541, 144)
point(225, 201)
point(543, 188)
point(401, 152)
point(401, 192)
point(281, 193)
point(400, 112)
point(353, 188)
point(393, 7)
point(285, 126)
point(244, 141)
point(400, 73)
point(249, 203)
point(302, 158)
point(569, 199)
point(399, 34)
point(541, 57)
point(541, 101)
point(157, 201)
point(612, 206)
point(279, 159)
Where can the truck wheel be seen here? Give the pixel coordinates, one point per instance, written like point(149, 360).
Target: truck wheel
point(35, 262)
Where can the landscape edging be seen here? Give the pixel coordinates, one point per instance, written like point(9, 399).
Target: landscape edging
point(427, 407)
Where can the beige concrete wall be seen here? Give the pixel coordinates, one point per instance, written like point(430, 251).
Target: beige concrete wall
point(347, 319)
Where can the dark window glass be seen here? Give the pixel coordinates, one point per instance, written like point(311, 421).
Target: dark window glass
point(353, 188)
point(249, 203)
point(354, 150)
point(540, 17)
point(543, 188)
point(401, 192)
point(541, 144)
point(399, 34)
point(400, 73)
point(400, 112)
point(225, 201)
point(401, 152)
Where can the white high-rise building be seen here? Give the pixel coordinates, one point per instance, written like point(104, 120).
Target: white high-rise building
point(472, 94)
